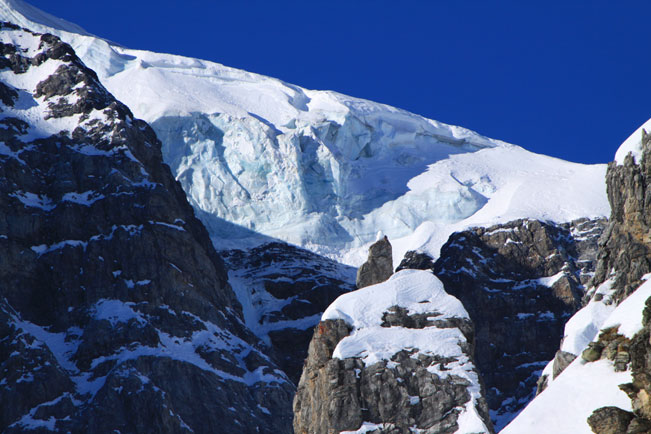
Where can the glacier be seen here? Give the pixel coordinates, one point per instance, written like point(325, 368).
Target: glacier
point(260, 158)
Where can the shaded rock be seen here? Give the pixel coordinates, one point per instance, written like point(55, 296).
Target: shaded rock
point(379, 265)
point(327, 395)
point(115, 309)
point(625, 248)
point(610, 420)
point(520, 282)
point(639, 426)
point(286, 289)
point(562, 360)
point(416, 261)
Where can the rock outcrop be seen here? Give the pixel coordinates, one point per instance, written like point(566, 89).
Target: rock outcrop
point(392, 358)
point(519, 282)
point(610, 420)
point(624, 258)
point(115, 310)
point(379, 265)
point(625, 250)
point(625, 353)
point(638, 351)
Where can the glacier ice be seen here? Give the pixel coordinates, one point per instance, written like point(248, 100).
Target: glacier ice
point(261, 158)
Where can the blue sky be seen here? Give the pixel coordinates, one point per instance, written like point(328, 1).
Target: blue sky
point(569, 79)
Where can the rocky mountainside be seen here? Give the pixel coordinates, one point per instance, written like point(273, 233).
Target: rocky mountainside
point(284, 290)
point(520, 283)
point(609, 337)
point(115, 310)
point(113, 287)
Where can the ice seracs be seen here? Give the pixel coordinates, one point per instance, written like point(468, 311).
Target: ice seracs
point(320, 169)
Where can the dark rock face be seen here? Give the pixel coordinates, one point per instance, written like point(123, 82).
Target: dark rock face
point(286, 289)
point(610, 420)
point(379, 265)
point(115, 311)
point(396, 396)
point(416, 261)
point(626, 245)
point(520, 282)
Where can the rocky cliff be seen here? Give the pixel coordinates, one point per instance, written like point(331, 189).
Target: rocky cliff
point(115, 311)
point(625, 251)
point(519, 282)
point(396, 357)
point(625, 262)
point(609, 336)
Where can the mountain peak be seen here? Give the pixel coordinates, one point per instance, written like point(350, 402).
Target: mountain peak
point(23, 14)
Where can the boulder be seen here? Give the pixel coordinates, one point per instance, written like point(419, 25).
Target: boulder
point(610, 420)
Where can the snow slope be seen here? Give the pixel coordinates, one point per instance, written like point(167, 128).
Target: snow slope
point(317, 168)
point(633, 144)
point(566, 404)
point(583, 387)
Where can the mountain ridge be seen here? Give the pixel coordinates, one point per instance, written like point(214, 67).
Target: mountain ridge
point(113, 296)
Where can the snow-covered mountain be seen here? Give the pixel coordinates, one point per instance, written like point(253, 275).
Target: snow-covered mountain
point(320, 169)
point(263, 162)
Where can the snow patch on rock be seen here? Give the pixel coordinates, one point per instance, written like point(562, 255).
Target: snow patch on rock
point(632, 145)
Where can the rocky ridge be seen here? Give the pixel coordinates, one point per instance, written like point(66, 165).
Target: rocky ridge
point(519, 282)
point(625, 262)
point(115, 310)
point(625, 251)
point(610, 334)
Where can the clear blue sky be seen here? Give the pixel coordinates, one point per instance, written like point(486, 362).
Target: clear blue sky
point(571, 79)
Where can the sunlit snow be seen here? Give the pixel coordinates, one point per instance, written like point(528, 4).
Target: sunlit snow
point(262, 158)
